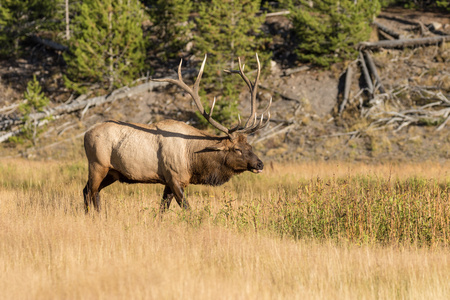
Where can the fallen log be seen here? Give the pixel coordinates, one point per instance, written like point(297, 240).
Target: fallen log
point(295, 70)
point(388, 30)
point(385, 36)
point(398, 19)
point(392, 44)
point(6, 110)
point(6, 136)
point(417, 24)
point(265, 137)
point(419, 116)
point(278, 13)
point(7, 122)
point(348, 82)
point(373, 70)
point(78, 105)
point(365, 72)
point(48, 43)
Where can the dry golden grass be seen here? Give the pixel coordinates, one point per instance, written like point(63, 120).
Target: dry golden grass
point(49, 249)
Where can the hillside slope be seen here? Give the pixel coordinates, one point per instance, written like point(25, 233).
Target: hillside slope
point(306, 124)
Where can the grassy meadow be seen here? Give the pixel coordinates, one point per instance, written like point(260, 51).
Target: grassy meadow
point(296, 231)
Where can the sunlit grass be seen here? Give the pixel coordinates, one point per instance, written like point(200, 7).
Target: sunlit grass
point(317, 230)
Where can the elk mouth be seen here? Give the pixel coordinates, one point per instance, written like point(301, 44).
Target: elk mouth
point(256, 169)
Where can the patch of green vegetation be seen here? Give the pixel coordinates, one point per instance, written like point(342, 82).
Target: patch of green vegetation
point(360, 209)
point(329, 30)
point(35, 102)
point(430, 122)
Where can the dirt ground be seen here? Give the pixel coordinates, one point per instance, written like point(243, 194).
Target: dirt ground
point(305, 124)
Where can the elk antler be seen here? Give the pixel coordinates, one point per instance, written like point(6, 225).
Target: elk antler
point(252, 124)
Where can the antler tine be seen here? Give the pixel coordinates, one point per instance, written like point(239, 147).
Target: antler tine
point(212, 107)
point(241, 72)
point(179, 82)
point(252, 124)
point(253, 87)
point(260, 124)
point(199, 76)
point(256, 125)
point(180, 78)
point(268, 114)
point(235, 128)
point(268, 107)
point(253, 93)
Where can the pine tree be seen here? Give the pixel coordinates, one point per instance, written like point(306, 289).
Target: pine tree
point(328, 30)
point(107, 45)
point(171, 27)
point(35, 101)
point(228, 29)
point(20, 18)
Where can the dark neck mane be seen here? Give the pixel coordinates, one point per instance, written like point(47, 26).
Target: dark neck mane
point(209, 168)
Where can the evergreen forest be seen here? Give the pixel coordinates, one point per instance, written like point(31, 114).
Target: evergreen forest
point(108, 44)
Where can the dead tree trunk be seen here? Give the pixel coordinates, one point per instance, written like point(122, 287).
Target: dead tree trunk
point(366, 74)
point(404, 43)
point(388, 30)
point(348, 83)
point(373, 70)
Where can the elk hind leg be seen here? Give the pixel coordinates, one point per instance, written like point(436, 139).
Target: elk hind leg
point(87, 197)
point(97, 174)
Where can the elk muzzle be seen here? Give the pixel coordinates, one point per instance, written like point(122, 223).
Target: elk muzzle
point(256, 168)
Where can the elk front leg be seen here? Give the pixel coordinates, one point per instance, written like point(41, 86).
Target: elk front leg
point(178, 192)
point(182, 201)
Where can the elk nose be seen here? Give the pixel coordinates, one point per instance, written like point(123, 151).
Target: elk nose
point(259, 165)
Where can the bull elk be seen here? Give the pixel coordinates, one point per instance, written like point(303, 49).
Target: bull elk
point(170, 152)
